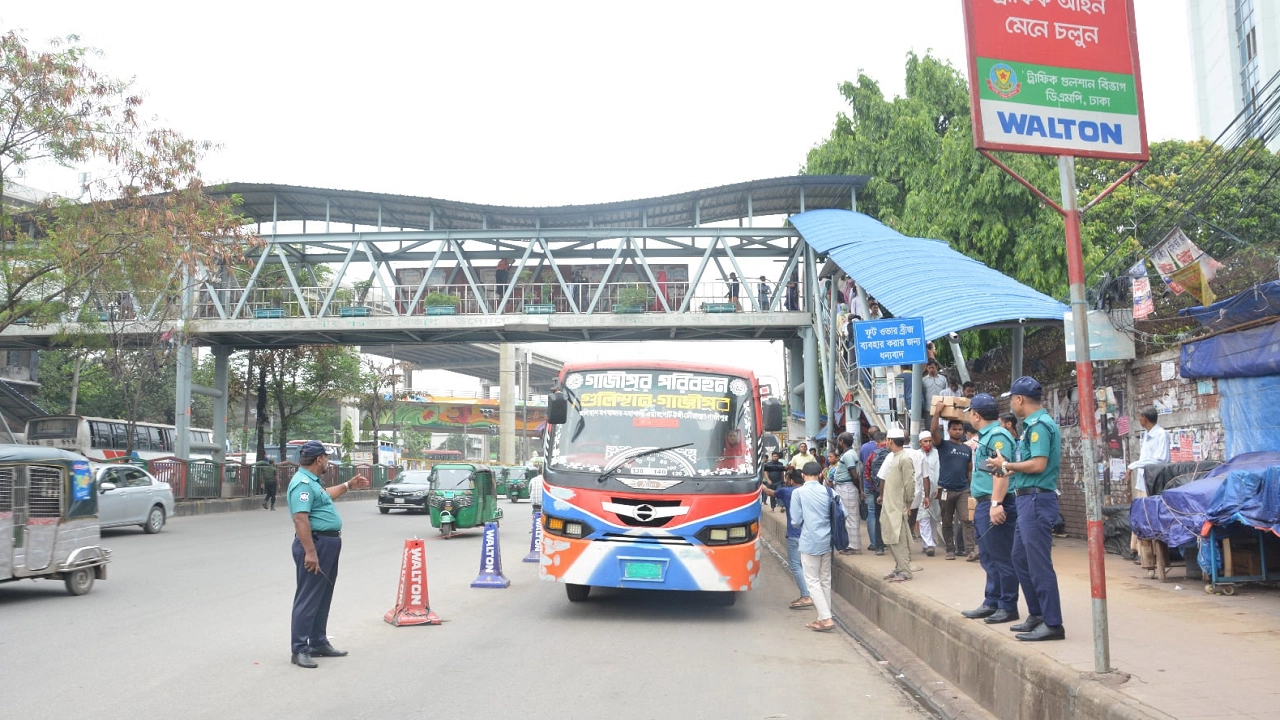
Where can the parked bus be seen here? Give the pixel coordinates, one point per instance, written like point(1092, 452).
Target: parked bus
point(388, 454)
point(431, 457)
point(105, 439)
point(652, 477)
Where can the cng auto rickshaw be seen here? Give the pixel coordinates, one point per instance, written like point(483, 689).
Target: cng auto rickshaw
point(49, 518)
point(500, 475)
point(462, 495)
point(518, 483)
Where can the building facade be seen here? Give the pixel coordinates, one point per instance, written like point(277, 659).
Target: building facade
point(1235, 50)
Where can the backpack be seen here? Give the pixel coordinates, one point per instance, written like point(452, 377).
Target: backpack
point(873, 467)
point(839, 530)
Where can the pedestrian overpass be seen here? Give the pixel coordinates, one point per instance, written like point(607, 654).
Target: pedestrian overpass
point(414, 277)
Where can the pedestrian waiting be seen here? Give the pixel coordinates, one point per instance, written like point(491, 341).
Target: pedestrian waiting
point(783, 495)
point(811, 512)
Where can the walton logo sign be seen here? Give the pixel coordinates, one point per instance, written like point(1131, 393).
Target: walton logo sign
point(1056, 77)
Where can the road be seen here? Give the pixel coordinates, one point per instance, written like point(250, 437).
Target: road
point(194, 623)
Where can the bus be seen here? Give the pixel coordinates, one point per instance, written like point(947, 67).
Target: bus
point(107, 439)
point(651, 478)
point(431, 457)
point(388, 454)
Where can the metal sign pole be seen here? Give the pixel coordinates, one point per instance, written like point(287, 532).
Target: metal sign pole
point(1088, 429)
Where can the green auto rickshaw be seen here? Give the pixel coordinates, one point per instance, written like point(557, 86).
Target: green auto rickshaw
point(462, 495)
point(518, 483)
point(500, 475)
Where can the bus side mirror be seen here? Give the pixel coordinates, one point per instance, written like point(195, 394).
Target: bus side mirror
point(557, 409)
point(771, 408)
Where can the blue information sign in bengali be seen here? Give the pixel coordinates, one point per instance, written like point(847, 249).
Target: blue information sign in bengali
point(900, 341)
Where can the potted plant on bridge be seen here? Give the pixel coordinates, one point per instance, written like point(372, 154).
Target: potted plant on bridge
point(632, 299)
point(438, 303)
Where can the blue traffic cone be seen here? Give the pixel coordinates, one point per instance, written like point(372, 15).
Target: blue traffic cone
point(490, 561)
point(535, 542)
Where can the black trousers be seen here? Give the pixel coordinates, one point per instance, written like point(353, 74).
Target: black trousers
point(270, 494)
point(314, 594)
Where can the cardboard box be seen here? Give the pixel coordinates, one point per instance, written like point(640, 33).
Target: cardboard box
point(955, 408)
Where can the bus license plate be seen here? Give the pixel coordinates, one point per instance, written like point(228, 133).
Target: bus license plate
point(400, 500)
point(642, 571)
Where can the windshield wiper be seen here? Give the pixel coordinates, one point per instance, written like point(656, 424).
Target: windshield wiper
point(613, 470)
point(577, 405)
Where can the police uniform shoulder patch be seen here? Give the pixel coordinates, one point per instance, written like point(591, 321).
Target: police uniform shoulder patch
point(1035, 437)
point(999, 445)
point(304, 496)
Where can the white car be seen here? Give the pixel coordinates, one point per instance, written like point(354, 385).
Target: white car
point(129, 495)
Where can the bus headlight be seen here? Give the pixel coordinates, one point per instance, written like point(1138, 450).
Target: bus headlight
point(729, 534)
point(566, 528)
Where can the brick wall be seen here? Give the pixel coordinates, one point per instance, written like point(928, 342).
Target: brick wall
point(1188, 410)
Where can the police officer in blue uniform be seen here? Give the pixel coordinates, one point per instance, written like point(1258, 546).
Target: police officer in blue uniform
point(1035, 486)
point(316, 548)
point(991, 493)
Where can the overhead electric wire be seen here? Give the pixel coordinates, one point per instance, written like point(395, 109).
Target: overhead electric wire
point(1238, 145)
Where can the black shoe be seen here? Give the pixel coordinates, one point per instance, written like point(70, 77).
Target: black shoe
point(985, 611)
point(928, 551)
point(1031, 623)
point(327, 650)
point(1002, 616)
point(303, 659)
point(1043, 632)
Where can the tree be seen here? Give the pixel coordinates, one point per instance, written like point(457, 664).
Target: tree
point(348, 441)
point(146, 227)
point(416, 442)
point(304, 378)
point(376, 385)
point(928, 181)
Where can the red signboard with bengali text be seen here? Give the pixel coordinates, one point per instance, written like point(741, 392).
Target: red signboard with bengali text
point(1056, 77)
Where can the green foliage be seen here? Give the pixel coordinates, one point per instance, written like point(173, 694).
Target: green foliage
point(455, 441)
point(633, 296)
point(306, 380)
point(928, 181)
point(440, 299)
point(416, 442)
point(348, 439)
point(144, 217)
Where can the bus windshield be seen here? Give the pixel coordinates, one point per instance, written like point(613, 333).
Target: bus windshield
point(699, 424)
point(452, 479)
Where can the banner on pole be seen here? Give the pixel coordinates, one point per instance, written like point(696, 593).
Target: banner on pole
point(1056, 77)
point(1143, 304)
point(1172, 258)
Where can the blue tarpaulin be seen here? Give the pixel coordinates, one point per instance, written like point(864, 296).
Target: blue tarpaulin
point(1238, 487)
point(1253, 304)
point(1248, 410)
point(1254, 352)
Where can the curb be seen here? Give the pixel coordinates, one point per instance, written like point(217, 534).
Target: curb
point(190, 508)
point(1007, 680)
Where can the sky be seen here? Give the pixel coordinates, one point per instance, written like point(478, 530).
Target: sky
point(532, 103)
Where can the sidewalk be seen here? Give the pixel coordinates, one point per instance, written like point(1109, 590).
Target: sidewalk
point(1186, 654)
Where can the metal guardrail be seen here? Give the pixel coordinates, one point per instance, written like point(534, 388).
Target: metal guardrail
point(492, 299)
point(207, 480)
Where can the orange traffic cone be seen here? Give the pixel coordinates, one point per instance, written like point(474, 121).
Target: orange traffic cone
point(412, 605)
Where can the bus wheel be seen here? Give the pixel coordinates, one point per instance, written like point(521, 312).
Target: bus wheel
point(724, 599)
point(79, 581)
point(577, 593)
